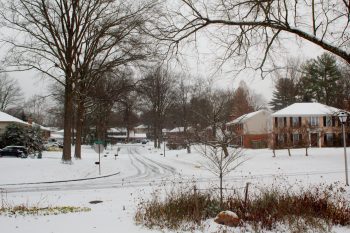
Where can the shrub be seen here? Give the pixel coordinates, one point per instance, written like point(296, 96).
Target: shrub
point(314, 209)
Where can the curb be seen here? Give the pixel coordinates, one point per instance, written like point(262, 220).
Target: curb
point(63, 181)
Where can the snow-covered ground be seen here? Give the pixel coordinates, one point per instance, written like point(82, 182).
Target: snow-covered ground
point(134, 174)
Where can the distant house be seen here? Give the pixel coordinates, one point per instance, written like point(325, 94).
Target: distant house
point(121, 135)
point(252, 129)
point(6, 119)
point(142, 129)
point(315, 124)
point(179, 137)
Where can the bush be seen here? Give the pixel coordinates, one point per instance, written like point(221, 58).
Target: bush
point(18, 135)
point(179, 207)
point(315, 209)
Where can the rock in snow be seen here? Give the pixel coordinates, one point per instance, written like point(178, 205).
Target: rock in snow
point(227, 218)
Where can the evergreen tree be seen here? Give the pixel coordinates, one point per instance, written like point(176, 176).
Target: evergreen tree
point(18, 135)
point(14, 135)
point(285, 93)
point(321, 80)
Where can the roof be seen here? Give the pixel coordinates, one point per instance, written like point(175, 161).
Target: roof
point(306, 109)
point(41, 127)
point(177, 130)
point(180, 129)
point(117, 130)
point(4, 117)
point(141, 127)
point(245, 117)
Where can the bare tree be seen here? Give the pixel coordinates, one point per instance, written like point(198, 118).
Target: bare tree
point(107, 92)
point(36, 108)
point(10, 92)
point(218, 162)
point(127, 105)
point(158, 89)
point(68, 40)
point(253, 28)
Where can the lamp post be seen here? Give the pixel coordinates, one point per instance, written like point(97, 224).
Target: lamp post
point(342, 117)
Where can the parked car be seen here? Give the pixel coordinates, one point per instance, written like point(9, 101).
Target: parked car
point(17, 151)
point(144, 141)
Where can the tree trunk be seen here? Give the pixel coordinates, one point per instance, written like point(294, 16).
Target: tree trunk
point(289, 152)
point(155, 135)
point(221, 195)
point(68, 111)
point(79, 129)
point(224, 148)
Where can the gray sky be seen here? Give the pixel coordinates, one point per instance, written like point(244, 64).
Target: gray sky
point(198, 61)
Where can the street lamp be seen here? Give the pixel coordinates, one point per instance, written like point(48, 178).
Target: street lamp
point(342, 117)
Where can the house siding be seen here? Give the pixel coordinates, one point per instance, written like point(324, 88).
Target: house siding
point(317, 133)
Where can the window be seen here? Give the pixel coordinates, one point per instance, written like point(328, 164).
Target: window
point(313, 121)
point(281, 138)
point(329, 137)
point(296, 138)
point(295, 121)
point(328, 121)
point(280, 122)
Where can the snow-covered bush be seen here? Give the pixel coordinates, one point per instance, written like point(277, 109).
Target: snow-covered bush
point(27, 136)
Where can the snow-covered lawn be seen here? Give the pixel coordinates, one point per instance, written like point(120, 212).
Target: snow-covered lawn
point(135, 173)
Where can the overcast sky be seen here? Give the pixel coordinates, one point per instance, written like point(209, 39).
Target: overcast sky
point(198, 62)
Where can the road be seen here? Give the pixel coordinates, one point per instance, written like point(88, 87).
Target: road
point(145, 172)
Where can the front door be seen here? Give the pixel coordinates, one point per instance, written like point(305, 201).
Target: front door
point(314, 139)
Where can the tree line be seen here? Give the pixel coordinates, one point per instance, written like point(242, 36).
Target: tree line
point(79, 43)
point(323, 79)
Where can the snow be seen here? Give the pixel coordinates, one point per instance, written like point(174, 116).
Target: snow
point(142, 127)
point(136, 172)
point(41, 127)
point(4, 117)
point(306, 109)
point(244, 117)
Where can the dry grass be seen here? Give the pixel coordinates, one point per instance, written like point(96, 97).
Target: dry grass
point(9, 209)
point(313, 210)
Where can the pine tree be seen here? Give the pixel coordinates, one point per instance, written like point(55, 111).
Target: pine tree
point(321, 80)
point(285, 93)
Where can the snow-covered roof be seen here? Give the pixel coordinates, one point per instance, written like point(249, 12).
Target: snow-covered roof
point(245, 117)
point(141, 127)
point(4, 117)
point(117, 130)
point(41, 127)
point(306, 109)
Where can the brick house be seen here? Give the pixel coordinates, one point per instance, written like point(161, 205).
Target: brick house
point(252, 129)
point(311, 124)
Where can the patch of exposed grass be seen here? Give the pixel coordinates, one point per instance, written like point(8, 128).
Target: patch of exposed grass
point(10, 210)
point(312, 210)
point(26, 210)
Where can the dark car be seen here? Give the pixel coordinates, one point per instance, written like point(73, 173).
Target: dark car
point(17, 151)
